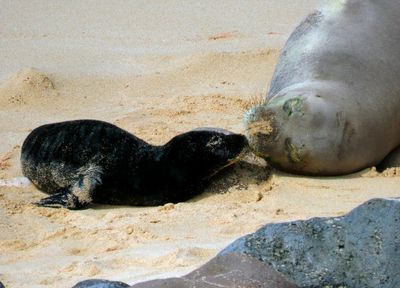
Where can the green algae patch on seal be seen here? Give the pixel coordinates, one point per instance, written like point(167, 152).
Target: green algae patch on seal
point(332, 106)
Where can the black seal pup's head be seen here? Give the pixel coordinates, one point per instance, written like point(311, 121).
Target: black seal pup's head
point(200, 153)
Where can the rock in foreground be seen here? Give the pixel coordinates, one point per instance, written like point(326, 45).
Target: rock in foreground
point(360, 249)
point(229, 270)
point(224, 271)
point(99, 283)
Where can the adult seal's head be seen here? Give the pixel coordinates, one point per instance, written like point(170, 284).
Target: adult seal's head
point(332, 107)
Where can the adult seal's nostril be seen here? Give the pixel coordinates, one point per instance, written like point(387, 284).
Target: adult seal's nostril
point(332, 107)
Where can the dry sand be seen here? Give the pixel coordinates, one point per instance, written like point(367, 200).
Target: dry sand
point(155, 68)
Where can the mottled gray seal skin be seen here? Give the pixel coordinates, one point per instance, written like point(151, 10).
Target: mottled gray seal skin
point(85, 161)
point(334, 100)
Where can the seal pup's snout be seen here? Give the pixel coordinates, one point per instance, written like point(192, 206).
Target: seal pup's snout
point(223, 144)
point(236, 147)
point(225, 149)
point(207, 150)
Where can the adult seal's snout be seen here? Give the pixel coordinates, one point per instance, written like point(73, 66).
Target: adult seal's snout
point(260, 129)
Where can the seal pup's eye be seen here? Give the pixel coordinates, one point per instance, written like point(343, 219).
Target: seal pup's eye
point(214, 142)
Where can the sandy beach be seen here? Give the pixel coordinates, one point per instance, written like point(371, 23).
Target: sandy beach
point(156, 69)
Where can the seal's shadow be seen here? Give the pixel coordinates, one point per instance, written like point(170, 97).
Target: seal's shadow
point(251, 170)
point(237, 176)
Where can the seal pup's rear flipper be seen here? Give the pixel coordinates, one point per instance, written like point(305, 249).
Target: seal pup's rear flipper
point(62, 199)
point(77, 196)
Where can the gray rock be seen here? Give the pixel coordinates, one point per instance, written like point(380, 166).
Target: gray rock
point(229, 270)
point(360, 249)
point(165, 283)
point(223, 271)
point(100, 283)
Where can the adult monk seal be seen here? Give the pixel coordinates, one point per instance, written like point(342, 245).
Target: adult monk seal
point(333, 106)
point(85, 161)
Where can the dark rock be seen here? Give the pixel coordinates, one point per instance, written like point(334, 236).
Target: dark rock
point(360, 249)
point(229, 270)
point(99, 283)
point(166, 283)
point(1, 285)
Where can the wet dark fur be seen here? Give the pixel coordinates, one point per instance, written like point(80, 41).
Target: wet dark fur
point(115, 167)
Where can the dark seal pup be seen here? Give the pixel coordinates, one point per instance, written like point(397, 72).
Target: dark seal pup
point(334, 100)
point(85, 161)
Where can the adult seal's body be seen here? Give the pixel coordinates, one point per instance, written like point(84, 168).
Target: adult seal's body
point(85, 161)
point(334, 102)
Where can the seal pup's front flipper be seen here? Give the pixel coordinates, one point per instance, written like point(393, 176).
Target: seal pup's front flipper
point(78, 195)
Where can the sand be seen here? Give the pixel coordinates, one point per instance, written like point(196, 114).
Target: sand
point(156, 69)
